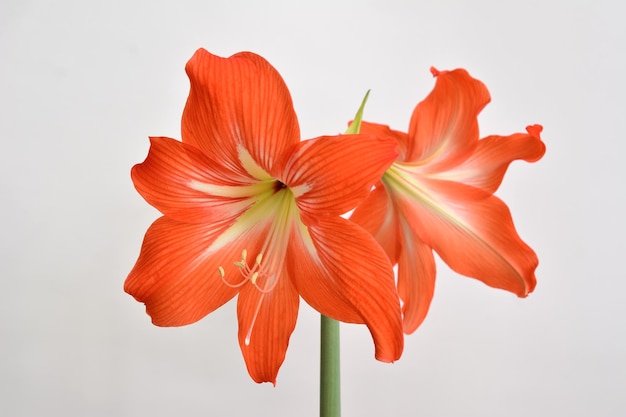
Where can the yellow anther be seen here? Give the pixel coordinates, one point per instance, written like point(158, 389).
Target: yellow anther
point(244, 255)
point(221, 271)
point(259, 258)
point(239, 264)
point(253, 278)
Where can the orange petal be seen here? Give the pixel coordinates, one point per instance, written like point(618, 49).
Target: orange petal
point(187, 185)
point(416, 278)
point(235, 102)
point(340, 270)
point(266, 322)
point(175, 276)
point(331, 175)
point(488, 164)
point(473, 233)
point(383, 131)
point(416, 265)
point(444, 127)
point(377, 215)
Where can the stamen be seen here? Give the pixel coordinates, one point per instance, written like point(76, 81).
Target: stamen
point(249, 274)
point(280, 212)
point(256, 313)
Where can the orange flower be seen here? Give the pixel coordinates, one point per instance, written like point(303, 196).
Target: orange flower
point(438, 196)
point(250, 210)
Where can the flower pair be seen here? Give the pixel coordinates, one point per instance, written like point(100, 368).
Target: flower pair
point(251, 210)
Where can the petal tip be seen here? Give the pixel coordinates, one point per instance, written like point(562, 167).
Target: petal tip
point(540, 148)
point(434, 71)
point(535, 130)
point(387, 358)
point(264, 381)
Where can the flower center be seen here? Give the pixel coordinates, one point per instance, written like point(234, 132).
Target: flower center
point(407, 183)
point(278, 186)
point(403, 178)
point(270, 218)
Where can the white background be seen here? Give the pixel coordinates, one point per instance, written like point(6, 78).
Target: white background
point(82, 86)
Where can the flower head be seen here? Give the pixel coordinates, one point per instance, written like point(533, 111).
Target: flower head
point(250, 210)
point(438, 196)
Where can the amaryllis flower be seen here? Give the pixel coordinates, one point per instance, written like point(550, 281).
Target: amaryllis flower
point(438, 196)
point(249, 210)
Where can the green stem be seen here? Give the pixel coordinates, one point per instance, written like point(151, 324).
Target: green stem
point(330, 396)
point(330, 393)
